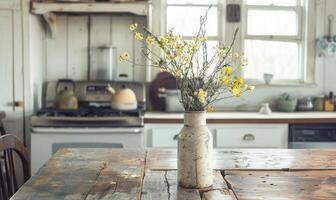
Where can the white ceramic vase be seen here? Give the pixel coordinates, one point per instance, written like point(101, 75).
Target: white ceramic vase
point(195, 145)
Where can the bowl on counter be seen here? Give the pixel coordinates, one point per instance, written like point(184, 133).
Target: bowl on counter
point(286, 103)
point(268, 78)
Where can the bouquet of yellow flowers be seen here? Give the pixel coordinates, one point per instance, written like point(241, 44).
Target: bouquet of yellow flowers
point(203, 75)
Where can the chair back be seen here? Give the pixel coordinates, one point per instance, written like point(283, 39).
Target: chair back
point(2, 127)
point(10, 148)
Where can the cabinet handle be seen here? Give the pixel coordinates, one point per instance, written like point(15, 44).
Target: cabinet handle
point(176, 137)
point(249, 137)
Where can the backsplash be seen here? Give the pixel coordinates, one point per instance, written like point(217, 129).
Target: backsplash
point(74, 51)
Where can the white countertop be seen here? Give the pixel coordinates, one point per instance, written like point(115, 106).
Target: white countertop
point(247, 115)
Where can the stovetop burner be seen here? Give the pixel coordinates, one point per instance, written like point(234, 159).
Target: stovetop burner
point(88, 112)
point(88, 117)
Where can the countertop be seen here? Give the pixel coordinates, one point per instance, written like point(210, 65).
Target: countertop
point(150, 174)
point(247, 117)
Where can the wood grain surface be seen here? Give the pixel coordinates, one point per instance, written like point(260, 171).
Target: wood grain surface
point(252, 159)
point(298, 185)
point(248, 121)
point(241, 174)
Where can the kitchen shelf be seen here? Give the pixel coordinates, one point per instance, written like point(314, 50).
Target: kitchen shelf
point(138, 8)
point(49, 9)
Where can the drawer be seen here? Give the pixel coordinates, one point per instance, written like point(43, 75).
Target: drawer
point(252, 136)
point(164, 137)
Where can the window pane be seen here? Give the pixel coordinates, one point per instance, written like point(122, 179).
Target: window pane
point(278, 58)
point(185, 20)
point(211, 44)
point(272, 2)
point(202, 2)
point(272, 22)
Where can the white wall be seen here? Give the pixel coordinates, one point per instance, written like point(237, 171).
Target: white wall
point(329, 61)
point(36, 51)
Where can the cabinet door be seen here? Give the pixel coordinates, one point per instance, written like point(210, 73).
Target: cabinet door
point(252, 136)
point(164, 136)
point(11, 70)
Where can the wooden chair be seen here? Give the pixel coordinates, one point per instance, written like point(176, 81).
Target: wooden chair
point(10, 145)
point(2, 127)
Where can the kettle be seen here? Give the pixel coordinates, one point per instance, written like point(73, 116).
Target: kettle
point(65, 98)
point(123, 99)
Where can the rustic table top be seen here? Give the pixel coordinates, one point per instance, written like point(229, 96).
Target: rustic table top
point(78, 174)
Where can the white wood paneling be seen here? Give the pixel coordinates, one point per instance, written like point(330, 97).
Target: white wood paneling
point(77, 47)
point(330, 69)
point(100, 35)
point(67, 53)
point(11, 67)
point(56, 56)
point(122, 39)
point(6, 60)
point(139, 71)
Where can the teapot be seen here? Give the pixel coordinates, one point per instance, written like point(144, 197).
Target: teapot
point(123, 98)
point(66, 99)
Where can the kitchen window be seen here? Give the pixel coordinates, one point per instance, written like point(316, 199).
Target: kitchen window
point(274, 40)
point(276, 35)
point(183, 16)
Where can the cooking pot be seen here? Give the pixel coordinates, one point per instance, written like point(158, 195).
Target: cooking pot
point(65, 98)
point(171, 99)
point(123, 98)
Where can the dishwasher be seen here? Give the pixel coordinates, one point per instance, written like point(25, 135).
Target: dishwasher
point(312, 136)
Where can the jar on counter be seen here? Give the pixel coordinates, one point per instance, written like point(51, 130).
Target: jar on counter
point(318, 103)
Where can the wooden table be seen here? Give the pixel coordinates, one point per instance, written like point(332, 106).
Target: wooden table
point(78, 174)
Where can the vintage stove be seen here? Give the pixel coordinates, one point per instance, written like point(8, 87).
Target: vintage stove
point(93, 125)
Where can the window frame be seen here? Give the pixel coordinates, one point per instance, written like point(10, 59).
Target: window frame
point(302, 38)
point(220, 20)
point(226, 29)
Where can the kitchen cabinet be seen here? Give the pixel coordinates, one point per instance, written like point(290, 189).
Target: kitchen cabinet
point(251, 136)
point(224, 135)
point(162, 135)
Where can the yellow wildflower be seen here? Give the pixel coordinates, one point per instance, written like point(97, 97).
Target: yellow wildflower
point(250, 88)
point(203, 38)
point(201, 95)
point(236, 91)
point(239, 82)
point(178, 73)
point(138, 36)
point(124, 56)
point(133, 27)
point(210, 109)
point(163, 40)
point(226, 80)
point(228, 70)
point(149, 39)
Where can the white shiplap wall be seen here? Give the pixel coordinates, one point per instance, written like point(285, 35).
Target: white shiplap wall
point(75, 48)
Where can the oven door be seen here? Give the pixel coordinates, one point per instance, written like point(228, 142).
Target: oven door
point(46, 141)
point(318, 136)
